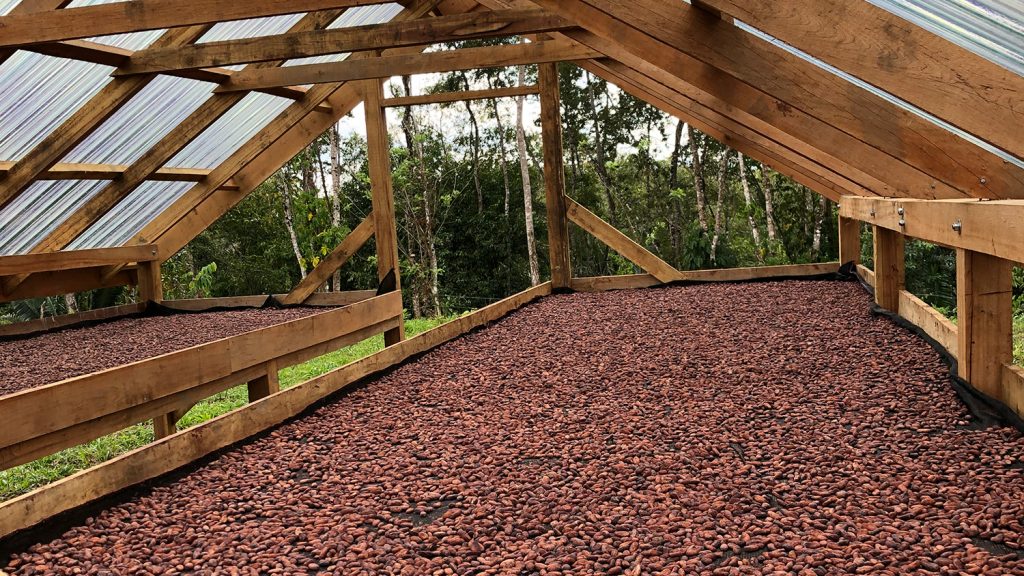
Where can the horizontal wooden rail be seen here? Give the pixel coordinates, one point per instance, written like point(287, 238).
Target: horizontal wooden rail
point(71, 259)
point(630, 281)
point(189, 445)
point(990, 227)
point(51, 410)
point(115, 171)
point(448, 97)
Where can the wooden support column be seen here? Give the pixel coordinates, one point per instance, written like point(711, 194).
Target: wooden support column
point(984, 300)
point(164, 425)
point(849, 240)
point(265, 385)
point(889, 268)
point(378, 151)
point(554, 176)
point(150, 283)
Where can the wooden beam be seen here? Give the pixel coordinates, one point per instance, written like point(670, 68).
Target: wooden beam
point(388, 66)
point(140, 15)
point(189, 445)
point(446, 97)
point(889, 268)
point(77, 171)
point(378, 154)
point(994, 227)
point(266, 384)
point(73, 259)
point(30, 7)
point(930, 320)
point(700, 48)
point(66, 282)
point(455, 27)
point(633, 281)
point(621, 243)
point(902, 58)
point(336, 259)
point(151, 287)
point(984, 303)
point(849, 240)
point(554, 176)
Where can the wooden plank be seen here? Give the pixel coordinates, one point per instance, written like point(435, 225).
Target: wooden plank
point(336, 259)
point(763, 78)
point(889, 268)
point(632, 281)
point(200, 304)
point(94, 395)
point(72, 259)
point(554, 176)
point(79, 171)
point(451, 28)
point(620, 282)
point(140, 15)
point(1013, 388)
point(446, 97)
point(378, 153)
point(266, 384)
point(906, 60)
point(992, 227)
point(345, 298)
point(189, 445)
point(930, 320)
point(866, 274)
point(66, 282)
point(388, 66)
point(984, 303)
point(849, 240)
point(68, 320)
point(175, 404)
point(619, 242)
point(151, 288)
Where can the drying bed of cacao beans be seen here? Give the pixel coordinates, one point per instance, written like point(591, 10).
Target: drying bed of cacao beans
point(54, 356)
point(764, 428)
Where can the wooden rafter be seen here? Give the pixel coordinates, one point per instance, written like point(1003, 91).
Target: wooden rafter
point(448, 97)
point(74, 259)
point(906, 60)
point(140, 15)
point(387, 66)
point(29, 7)
point(333, 261)
point(723, 60)
point(424, 31)
point(79, 171)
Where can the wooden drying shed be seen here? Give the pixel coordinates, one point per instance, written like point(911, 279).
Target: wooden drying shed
point(927, 144)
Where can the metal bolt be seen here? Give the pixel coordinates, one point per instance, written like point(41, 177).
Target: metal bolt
point(900, 210)
point(872, 211)
point(903, 222)
point(958, 226)
point(984, 180)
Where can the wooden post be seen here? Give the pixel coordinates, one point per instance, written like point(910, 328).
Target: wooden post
point(849, 240)
point(554, 176)
point(889, 268)
point(265, 385)
point(164, 425)
point(378, 150)
point(150, 284)
point(984, 301)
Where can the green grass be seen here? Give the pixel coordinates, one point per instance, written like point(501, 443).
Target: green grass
point(1018, 340)
point(24, 478)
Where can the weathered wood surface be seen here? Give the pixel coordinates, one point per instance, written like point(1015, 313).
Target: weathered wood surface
point(72, 259)
point(630, 281)
point(984, 303)
point(464, 95)
point(930, 320)
point(189, 445)
point(336, 259)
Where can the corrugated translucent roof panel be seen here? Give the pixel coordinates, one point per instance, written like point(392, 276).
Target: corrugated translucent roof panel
point(250, 29)
point(141, 123)
point(131, 41)
point(38, 93)
point(39, 209)
point(131, 215)
point(230, 131)
point(993, 29)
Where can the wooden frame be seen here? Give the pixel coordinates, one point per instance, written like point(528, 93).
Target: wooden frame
point(634, 281)
point(448, 97)
point(189, 445)
point(45, 419)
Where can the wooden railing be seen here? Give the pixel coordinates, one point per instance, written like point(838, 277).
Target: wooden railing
point(988, 237)
point(43, 420)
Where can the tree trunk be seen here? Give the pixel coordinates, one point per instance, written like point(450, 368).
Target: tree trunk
point(524, 169)
point(723, 168)
point(698, 179)
point(476, 150)
point(289, 221)
point(769, 203)
point(71, 304)
point(599, 161)
point(335, 193)
point(676, 221)
point(749, 202)
point(822, 211)
point(417, 307)
point(502, 147)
